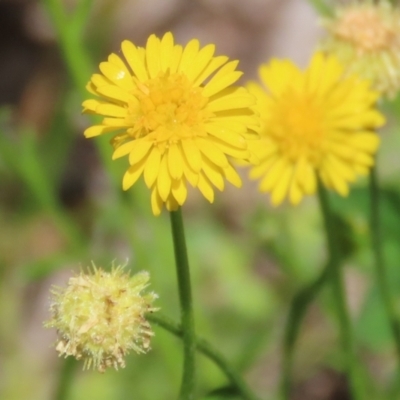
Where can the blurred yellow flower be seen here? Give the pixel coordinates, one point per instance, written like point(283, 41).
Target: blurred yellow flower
point(314, 123)
point(100, 317)
point(365, 36)
point(179, 117)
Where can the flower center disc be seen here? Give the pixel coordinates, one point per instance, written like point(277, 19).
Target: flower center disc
point(298, 127)
point(170, 109)
point(365, 29)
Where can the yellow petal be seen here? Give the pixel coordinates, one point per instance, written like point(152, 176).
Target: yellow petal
point(305, 176)
point(205, 188)
point(226, 148)
point(189, 54)
point(115, 93)
point(124, 149)
point(91, 88)
point(116, 123)
point(192, 154)
point(172, 204)
point(179, 190)
point(367, 141)
point(132, 174)
point(227, 135)
point(111, 110)
point(153, 55)
point(295, 192)
point(273, 175)
point(152, 167)
point(225, 77)
point(191, 176)
point(140, 150)
point(335, 182)
point(202, 59)
point(341, 168)
point(117, 61)
point(364, 158)
point(156, 202)
point(97, 130)
point(164, 179)
point(323, 74)
point(263, 167)
point(90, 105)
point(212, 152)
point(118, 76)
point(166, 51)
point(278, 74)
point(232, 176)
point(214, 64)
point(99, 80)
point(214, 174)
point(176, 58)
point(175, 165)
point(132, 56)
point(231, 98)
point(281, 188)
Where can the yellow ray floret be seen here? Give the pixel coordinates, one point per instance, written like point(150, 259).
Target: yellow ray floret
point(176, 116)
point(315, 123)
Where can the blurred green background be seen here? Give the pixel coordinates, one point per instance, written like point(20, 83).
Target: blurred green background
point(61, 208)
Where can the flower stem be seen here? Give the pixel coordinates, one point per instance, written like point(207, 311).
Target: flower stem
point(379, 263)
point(339, 297)
point(209, 351)
point(185, 298)
point(298, 308)
point(65, 378)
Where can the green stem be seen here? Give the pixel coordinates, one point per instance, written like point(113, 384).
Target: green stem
point(65, 378)
point(185, 298)
point(379, 263)
point(339, 297)
point(298, 308)
point(209, 351)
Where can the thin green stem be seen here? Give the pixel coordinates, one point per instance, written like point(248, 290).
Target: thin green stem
point(209, 351)
point(379, 262)
point(65, 378)
point(298, 308)
point(339, 297)
point(185, 299)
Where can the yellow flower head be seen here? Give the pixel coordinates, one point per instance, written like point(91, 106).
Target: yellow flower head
point(314, 123)
point(365, 36)
point(100, 317)
point(179, 117)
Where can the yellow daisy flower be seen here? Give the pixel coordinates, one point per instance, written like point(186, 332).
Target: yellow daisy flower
point(365, 36)
point(314, 123)
point(179, 118)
